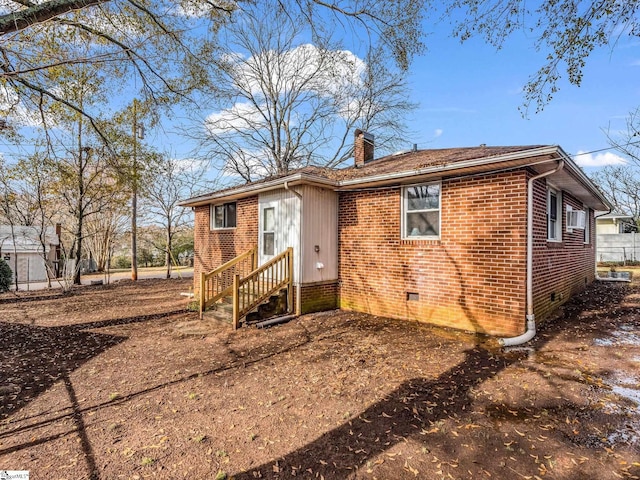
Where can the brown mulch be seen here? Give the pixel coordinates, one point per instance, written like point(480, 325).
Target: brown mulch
point(103, 384)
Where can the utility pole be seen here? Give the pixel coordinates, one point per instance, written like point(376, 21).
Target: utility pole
point(134, 199)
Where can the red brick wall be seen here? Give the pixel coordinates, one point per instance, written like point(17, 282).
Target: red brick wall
point(214, 247)
point(319, 296)
point(559, 268)
point(473, 278)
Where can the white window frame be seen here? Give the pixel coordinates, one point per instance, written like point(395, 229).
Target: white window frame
point(405, 211)
point(212, 216)
point(557, 229)
point(587, 224)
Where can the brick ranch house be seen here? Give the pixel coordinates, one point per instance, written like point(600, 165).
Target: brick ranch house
point(438, 236)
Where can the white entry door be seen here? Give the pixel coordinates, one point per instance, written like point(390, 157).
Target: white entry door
point(270, 240)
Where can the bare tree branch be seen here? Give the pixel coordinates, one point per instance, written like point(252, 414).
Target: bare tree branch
point(34, 14)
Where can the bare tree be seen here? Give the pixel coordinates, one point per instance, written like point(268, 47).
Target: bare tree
point(285, 103)
point(160, 42)
point(102, 229)
point(29, 200)
point(621, 185)
point(172, 182)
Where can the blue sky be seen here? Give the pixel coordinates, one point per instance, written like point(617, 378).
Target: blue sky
point(469, 94)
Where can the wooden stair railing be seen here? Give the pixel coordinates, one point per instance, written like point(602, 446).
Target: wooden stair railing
point(218, 283)
point(256, 287)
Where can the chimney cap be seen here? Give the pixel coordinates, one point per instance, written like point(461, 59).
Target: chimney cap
point(367, 136)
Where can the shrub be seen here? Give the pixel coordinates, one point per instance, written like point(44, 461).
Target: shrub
point(5, 276)
point(121, 262)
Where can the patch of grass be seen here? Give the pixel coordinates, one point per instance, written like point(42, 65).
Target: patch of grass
point(114, 427)
point(114, 396)
point(146, 461)
point(199, 438)
point(193, 306)
point(221, 453)
point(193, 396)
point(221, 475)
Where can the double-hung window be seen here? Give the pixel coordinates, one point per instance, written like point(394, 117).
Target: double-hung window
point(421, 211)
point(224, 215)
point(554, 215)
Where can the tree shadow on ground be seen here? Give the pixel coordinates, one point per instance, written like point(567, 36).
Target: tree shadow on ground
point(412, 407)
point(33, 358)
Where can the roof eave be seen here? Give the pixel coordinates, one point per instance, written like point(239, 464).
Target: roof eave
point(445, 170)
point(257, 188)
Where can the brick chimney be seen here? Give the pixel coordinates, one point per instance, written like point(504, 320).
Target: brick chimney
point(362, 148)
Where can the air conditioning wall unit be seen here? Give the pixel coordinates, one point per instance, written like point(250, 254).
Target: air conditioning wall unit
point(576, 219)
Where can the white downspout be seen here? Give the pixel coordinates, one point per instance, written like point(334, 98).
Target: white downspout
point(530, 332)
point(299, 289)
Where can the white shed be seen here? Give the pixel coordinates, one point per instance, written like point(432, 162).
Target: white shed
point(22, 248)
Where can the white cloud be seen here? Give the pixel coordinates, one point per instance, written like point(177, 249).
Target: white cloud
point(241, 117)
point(598, 160)
point(303, 68)
point(438, 132)
point(190, 164)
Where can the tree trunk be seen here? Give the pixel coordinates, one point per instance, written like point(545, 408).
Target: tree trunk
point(134, 201)
point(168, 252)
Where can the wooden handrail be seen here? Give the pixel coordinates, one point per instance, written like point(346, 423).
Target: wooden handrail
point(261, 283)
point(218, 283)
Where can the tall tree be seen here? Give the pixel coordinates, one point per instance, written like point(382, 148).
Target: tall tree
point(621, 185)
point(567, 31)
point(172, 181)
point(29, 200)
point(284, 102)
point(162, 43)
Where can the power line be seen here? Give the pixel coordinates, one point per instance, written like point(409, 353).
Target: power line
point(605, 149)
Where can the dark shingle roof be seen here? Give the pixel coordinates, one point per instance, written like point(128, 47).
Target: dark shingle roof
point(396, 163)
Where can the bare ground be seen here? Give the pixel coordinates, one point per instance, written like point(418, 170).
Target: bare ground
point(103, 384)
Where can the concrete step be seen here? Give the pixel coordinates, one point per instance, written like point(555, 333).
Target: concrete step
point(221, 312)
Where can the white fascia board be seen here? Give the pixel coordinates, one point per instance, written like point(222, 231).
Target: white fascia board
point(477, 162)
point(257, 188)
point(582, 177)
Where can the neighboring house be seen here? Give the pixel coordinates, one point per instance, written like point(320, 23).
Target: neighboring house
point(617, 240)
point(438, 236)
point(21, 247)
point(612, 223)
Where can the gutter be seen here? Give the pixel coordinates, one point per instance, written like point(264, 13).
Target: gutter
point(530, 331)
point(457, 166)
point(245, 190)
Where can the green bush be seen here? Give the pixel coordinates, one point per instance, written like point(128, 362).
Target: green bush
point(121, 262)
point(5, 276)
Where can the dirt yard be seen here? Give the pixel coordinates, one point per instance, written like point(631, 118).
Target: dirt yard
point(104, 384)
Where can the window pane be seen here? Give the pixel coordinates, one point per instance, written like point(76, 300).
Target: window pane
point(231, 215)
point(219, 216)
point(553, 206)
point(423, 197)
point(552, 229)
point(268, 243)
point(269, 220)
point(422, 224)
